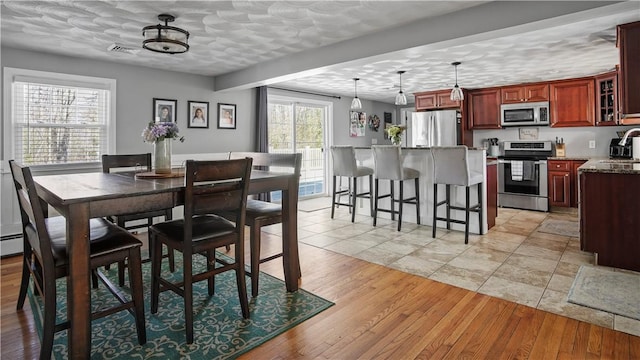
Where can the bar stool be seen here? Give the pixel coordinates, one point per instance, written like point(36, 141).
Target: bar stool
point(344, 164)
point(451, 167)
point(388, 166)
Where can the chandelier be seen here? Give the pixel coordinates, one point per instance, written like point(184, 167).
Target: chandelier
point(164, 38)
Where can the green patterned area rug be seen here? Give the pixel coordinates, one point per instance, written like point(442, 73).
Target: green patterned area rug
point(220, 331)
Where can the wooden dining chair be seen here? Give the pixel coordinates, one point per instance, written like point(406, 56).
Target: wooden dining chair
point(210, 187)
point(134, 161)
point(45, 259)
point(263, 213)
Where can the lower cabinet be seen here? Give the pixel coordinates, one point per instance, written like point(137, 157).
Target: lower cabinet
point(492, 194)
point(562, 182)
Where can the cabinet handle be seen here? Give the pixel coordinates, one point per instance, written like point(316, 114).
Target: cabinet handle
point(566, 174)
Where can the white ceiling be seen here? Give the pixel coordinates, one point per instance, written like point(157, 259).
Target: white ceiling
point(240, 37)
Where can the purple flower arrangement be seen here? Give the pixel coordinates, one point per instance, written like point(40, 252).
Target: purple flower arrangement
point(161, 130)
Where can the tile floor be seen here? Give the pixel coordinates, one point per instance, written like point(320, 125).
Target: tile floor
point(513, 261)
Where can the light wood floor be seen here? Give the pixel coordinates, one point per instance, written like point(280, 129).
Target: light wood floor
point(384, 313)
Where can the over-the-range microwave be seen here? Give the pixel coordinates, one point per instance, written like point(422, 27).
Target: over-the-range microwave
point(525, 114)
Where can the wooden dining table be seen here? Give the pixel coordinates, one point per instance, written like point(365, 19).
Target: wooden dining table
point(80, 197)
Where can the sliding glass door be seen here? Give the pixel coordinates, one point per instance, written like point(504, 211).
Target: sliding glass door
point(296, 125)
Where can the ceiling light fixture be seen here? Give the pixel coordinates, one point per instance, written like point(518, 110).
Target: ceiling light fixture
point(355, 103)
point(456, 93)
point(164, 38)
point(401, 99)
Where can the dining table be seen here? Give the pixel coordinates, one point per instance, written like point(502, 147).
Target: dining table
point(82, 196)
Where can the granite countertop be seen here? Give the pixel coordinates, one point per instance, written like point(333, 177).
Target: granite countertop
point(584, 158)
point(611, 166)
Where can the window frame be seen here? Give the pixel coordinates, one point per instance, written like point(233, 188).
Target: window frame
point(10, 75)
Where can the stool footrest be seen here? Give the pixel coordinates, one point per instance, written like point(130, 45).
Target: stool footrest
point(451, 220)
point(475, 208)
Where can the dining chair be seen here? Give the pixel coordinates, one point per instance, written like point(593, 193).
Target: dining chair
point(451, 167)
point(344, 164)
point(210, 187)
point(263, 213)
point(127, 162)
point(387, 161)
point(45, 259)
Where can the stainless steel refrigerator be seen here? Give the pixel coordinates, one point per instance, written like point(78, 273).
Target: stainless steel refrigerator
point(434, 128)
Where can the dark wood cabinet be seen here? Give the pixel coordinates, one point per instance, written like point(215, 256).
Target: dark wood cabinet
point(607, 99)
point(484, 108)
point(608, 218)
point(572, 103)
point(562, 182)
point(431, 100)
point(492, 194)
point(629, 46)
point(525, 93)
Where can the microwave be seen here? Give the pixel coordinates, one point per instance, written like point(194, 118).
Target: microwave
point(525, 114)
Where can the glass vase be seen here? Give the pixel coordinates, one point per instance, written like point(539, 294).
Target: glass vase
point(396, 140)
point(162, 159)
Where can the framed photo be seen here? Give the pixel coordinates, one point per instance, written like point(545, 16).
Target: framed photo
point(226, 116)
point(357, 124)
point(164, 110)
point(198, 114)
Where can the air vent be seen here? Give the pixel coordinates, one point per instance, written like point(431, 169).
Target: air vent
point(122, 49)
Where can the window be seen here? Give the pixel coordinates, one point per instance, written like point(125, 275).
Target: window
point(58, 119)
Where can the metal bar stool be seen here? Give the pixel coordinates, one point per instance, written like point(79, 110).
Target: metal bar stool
point(388, 166)
point(344, 164)
point(451, 167)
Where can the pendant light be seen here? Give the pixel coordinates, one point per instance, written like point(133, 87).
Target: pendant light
point(401, 99)
point(456, 93)
point(355, 103)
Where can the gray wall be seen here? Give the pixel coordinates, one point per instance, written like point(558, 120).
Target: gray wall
point(136, 88)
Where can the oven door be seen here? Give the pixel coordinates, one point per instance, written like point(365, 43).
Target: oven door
point(523, 177)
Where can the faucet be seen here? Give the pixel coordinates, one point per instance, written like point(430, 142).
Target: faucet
point(626, 135)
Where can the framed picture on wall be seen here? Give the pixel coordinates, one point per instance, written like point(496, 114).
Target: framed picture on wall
point(164, 110)
point(357, 123)
point(198, 114)
point(226, 116)
point(387, 124)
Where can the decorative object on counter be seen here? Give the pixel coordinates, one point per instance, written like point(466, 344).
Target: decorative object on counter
point(357, 123)
point(395, 133)
point(355, 103)
point(226, 116)
point(560, 149)
point(456, 93)
point(161, 134)
point(528, 133)
point(401, 99)
point(164, 38)
point(374, 122)
point(636, 143)
point(494, 147)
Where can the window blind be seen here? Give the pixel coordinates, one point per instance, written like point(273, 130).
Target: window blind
point(58, 124)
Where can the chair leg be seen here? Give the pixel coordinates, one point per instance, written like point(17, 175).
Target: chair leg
point(333, 199)
point(375, 203)
point(401, 204)
point(353, 198)
point(121, 266)
point(211, 264)
point(448, 190)
point(255, 244)
point(480, 207)
point(135, 280)
point(241, 281)
point(393, 202)
point(417, 183)
point(370, 194)
point(156, 262)
point(172, 259)
point(435, 209)
point(466, 216)
point(24, 282)
point(188, 296)
point(49, 317)
point(94, 279)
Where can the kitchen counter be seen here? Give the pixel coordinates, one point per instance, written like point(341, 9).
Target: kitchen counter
point(611, 166)
point(583, 158)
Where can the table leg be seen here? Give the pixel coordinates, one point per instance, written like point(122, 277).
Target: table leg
point(78, 284)
point(290, 235)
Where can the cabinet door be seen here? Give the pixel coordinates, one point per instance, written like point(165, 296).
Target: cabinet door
point(444, 100)
point(512, 94)
point(426, 101)
point(538, 92)
point(607, 99)
point(484, 109)
point(572, 103)
point(559, 188)
point(629, 44)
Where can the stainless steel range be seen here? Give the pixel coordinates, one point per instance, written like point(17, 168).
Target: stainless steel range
point(522, 175)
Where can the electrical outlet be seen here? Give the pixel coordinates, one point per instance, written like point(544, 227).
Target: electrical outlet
point(374, 141)
point(592, 144)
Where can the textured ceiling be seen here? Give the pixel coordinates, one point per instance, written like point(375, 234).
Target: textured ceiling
point(228, 36)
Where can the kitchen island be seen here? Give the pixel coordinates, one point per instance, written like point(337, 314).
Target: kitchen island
point(608, 208)
point(421, 159)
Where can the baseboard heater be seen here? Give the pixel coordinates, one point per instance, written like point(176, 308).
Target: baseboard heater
point(10, 245)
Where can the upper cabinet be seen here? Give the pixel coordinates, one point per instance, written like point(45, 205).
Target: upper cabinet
point(607, 99)
point(572, 103)
point(629, 77)
point(435, 100)
point(484, 108)
point(525, 93)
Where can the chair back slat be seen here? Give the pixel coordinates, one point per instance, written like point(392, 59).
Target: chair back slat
point(215, 186)
point(32, 213)
point(292, 162)
point(110, 162)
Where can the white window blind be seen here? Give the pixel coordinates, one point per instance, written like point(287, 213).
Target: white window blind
point(57, 121)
